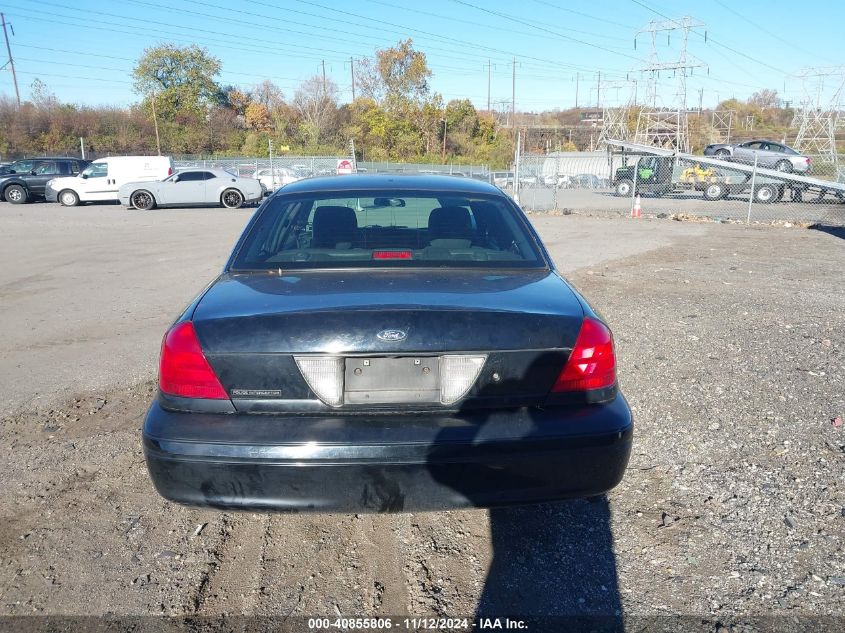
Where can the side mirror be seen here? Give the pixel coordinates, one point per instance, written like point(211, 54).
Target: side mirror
point(83, 176)
point(175, 178)
point(32, 173)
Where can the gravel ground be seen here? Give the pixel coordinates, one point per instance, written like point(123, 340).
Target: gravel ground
point(730, 343)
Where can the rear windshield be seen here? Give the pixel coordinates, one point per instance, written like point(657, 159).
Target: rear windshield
point(393, 229)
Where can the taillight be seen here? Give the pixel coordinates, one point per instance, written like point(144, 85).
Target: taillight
point(170, 171)
point(592, 363)
point(183, 369)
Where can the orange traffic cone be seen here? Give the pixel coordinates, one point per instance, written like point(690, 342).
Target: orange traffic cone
point(637, 211)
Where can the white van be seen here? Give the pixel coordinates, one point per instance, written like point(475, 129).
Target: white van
point(101, 180)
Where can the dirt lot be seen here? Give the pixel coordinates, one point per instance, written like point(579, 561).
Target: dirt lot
point(731, 351)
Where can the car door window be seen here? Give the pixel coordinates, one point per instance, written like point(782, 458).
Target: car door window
point(191, 176)
point(22, 167)
point(207, 175)
point(96, 170)
point(46, 168)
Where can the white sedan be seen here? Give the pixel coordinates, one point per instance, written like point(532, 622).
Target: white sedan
point(279, 177)
point(192, 187)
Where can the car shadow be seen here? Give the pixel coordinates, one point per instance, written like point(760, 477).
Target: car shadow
point(554, 565)
point(835, 231)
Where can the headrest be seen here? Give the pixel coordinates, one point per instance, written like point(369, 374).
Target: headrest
point(449, 222)
point(333, 225)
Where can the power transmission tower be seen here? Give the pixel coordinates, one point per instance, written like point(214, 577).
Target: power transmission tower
point(615, 118)
point(820, 113)
point(667, 126)
point(722, 124)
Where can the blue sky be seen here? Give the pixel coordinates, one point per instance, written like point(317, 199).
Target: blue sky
point(84, 50)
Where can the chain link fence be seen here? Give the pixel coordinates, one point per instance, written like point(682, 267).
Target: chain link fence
point(605, 183)
point(616, 183)
point(248, 167)
point(306, 166)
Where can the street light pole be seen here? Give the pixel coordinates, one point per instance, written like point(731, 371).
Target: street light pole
point(444, 141)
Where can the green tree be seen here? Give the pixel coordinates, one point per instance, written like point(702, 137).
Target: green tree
point(181, 79)
point(398, 74)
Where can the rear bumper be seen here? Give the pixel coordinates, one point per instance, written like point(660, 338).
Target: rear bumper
point(387, 463)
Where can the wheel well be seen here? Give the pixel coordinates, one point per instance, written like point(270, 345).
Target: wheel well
point(22, 185)
point(142, 190)
point(223, 193)
point(68, 189)
point(12, 184)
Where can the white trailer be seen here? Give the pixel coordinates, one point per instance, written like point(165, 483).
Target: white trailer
point(768, 185)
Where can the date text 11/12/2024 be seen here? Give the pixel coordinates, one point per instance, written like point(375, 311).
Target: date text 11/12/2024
point(416, 624)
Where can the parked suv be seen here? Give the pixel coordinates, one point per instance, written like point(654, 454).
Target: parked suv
point(26, 179)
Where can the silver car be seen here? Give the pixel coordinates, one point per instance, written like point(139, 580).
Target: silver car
point(192, 187)
point(277, 177)
point(767, 154)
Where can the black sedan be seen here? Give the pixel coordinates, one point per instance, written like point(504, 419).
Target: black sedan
point(387, 343)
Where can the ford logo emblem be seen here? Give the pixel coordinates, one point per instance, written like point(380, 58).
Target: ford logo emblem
point(389, 336)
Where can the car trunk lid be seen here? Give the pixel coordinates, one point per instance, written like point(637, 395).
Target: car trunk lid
point(391, 327)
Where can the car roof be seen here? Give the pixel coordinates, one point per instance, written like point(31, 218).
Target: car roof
point(389, 182)
point(49, 158)
point(127, 158)
point(214, 170)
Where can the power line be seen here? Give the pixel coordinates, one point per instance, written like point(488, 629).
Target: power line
point(476, 24)
point(320, 29)
point(581, 13)
point(405, 29)
point(224, 44)
point(157, 23)
point(539, 28)
point(129, 70)
point(756, 25)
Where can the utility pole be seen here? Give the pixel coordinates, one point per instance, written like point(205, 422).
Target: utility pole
point(82, 147)
point(11, 61)
point(444, 141)
point(272, 171)
point(352, 70)
point(489, 72)
point(155, 122)
point(700, 100)
point(513, 95)
point(577, 79)
point(324, 76)
point(598, 93)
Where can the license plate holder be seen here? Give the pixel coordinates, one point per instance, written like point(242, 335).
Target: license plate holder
point(393, 380)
